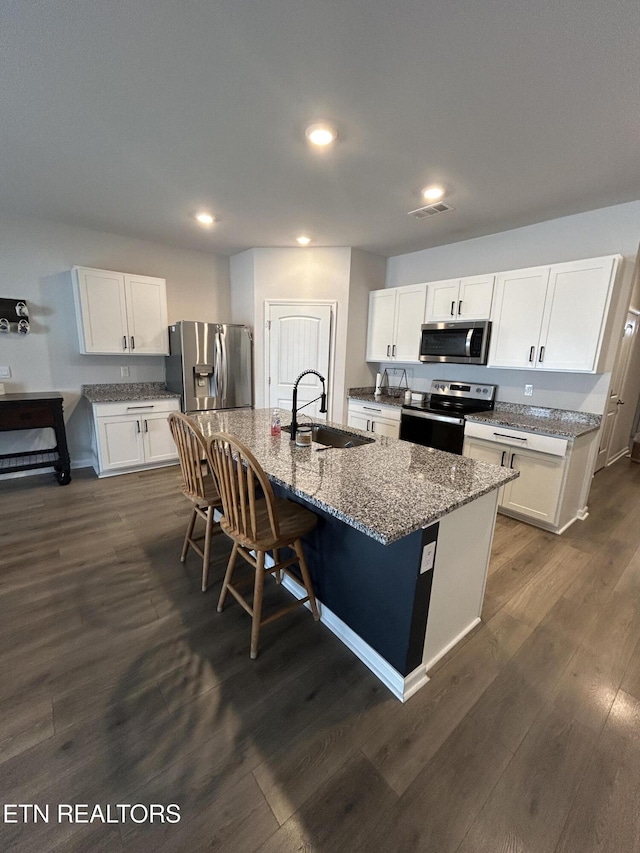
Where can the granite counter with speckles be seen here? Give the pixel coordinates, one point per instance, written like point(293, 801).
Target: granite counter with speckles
point(560, 422)
point(117, 392)
point(387, 489)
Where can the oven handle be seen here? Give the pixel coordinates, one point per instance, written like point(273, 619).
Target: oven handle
point(430, 416)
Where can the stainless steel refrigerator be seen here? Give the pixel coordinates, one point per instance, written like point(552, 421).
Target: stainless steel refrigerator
point(210, 365)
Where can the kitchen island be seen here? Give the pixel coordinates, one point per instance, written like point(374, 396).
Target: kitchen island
point(400, 554)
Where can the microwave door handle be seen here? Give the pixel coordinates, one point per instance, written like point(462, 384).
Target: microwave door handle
point(467, 346)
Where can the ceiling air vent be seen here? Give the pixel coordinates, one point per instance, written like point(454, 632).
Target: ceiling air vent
point(430, 210)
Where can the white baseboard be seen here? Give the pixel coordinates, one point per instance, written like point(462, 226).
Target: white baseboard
point(402, 687)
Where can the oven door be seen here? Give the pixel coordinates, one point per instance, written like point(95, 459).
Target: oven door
point(432, 430)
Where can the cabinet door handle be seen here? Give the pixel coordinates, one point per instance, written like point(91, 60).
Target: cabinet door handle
point(460, 307)
point(388, 350)
point(367, 424)
point(373, 423)
point(513, 456)
point(502, 460)
point(133, 343)
point(138, 426)
point(453, 308)
point(393, 350)
point(541, 354)
point(146, 425)
point(124, 342)
point(531, 352)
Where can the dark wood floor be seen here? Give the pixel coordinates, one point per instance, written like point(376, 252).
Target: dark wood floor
point(121, 684)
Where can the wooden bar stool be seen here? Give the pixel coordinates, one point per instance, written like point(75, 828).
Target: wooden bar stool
point(197, 484)
point(257, 524)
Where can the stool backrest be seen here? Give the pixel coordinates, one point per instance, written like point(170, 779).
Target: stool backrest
point(239, 474)
point(192, 451)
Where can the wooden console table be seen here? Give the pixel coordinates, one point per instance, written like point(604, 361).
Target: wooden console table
point(35, 411)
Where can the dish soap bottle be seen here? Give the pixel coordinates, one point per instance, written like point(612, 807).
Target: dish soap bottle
point(275, 422)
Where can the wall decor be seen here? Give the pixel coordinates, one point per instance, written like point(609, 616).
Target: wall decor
point(14, 316)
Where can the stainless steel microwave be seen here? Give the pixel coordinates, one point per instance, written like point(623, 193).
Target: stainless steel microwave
point(457, 343)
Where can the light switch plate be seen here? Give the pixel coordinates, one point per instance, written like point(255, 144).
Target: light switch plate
point(5, 373)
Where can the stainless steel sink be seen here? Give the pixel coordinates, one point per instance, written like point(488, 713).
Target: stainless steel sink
point(331, 437)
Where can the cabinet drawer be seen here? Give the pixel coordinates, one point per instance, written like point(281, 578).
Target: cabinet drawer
point(26, 416)
point(517, 438)
point(374, 410)
point(136, 407)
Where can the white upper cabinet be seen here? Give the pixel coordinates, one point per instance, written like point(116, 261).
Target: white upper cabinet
point(519, 309)
point(578, 298)
point(459, 299)
point(395, 317)
point(120, 313)
point(552, 318)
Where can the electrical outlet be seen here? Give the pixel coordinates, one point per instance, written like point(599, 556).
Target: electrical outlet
point(428, 554)
point(528, 390)
point(124, 371)
point(5, 373)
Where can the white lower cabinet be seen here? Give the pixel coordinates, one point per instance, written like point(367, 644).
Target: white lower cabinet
point(132, 435)
point(375, 418)
point(555, 473)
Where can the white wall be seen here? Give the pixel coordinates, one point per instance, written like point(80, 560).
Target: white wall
point(35, 259)
point(338, 274)
point(611, 230)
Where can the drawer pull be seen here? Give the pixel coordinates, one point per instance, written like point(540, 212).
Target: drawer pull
point(140, 407)
point(510, 437)
point(371, 409)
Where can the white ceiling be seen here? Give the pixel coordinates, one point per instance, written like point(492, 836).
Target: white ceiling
point(130, 115)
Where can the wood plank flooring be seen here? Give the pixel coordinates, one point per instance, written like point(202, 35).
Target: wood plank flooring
point(121, 684)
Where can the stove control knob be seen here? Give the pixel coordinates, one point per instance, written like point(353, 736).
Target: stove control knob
point(478, 390)
point(485, 390)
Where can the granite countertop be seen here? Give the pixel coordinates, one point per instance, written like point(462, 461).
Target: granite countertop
point(386, 489)
point(561, 422)
point(367, 396)
point(117, 392)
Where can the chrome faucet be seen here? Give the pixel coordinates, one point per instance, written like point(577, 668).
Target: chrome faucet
point(295, 409)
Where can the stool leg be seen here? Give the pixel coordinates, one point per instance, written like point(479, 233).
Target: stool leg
point(276, 560)
point(207, 548)
point(187, 538)
point(306, 577)
point(257, 604)
point(227, 576)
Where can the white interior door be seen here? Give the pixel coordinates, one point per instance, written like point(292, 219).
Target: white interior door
point(622, 408)
point(299, 339)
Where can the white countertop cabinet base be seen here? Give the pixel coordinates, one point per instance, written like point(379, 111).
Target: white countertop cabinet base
point(555, 473)
point(132, 436)
point(374, 418)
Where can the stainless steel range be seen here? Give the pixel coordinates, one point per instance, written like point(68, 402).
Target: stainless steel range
point(439, 422)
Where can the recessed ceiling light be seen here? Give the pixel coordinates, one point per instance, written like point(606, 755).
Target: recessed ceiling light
point(205, 218)
point(433, 193)
point(320, 134)
point(302, 240)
